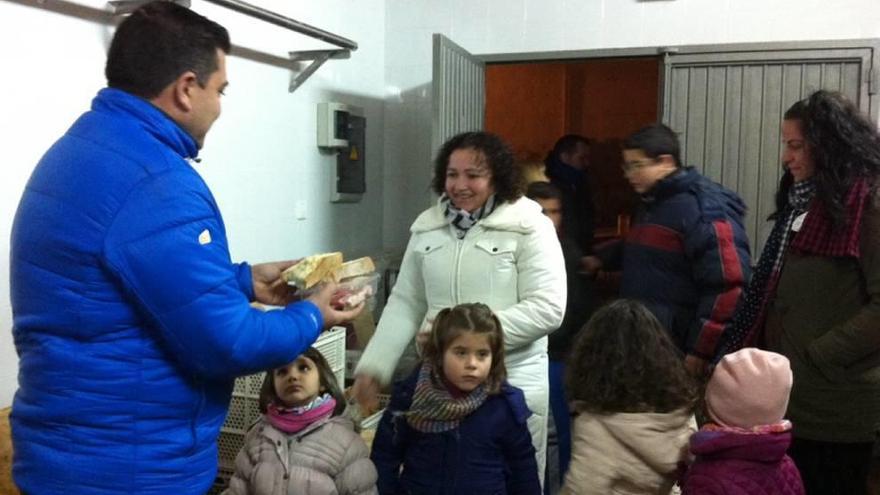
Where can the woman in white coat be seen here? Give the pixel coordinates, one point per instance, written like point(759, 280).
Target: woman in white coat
point(482, 242)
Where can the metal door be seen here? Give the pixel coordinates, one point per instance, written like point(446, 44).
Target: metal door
point(459, 92)
point(727, 105)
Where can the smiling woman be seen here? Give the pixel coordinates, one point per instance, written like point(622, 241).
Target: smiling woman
point(481, 242)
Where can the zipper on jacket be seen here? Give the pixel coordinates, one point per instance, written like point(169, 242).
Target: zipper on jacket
point(456, 272)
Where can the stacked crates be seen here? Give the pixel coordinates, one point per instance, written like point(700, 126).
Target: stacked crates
point(244, 407)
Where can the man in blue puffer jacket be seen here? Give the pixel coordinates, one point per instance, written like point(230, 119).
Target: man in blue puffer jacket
point(687, 255)
point(130, 320)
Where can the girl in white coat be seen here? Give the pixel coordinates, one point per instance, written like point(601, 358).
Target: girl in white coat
point(482, 242)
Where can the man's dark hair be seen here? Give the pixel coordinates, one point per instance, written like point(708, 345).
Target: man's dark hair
point(159, 42)
point(655, 140)
point(566, 144)
point(543, 190)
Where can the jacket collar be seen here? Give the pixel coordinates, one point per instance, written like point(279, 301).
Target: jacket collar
point(765, 447)
point(273, 434)
point(516, 216)
point(564, 173)
point(153, 120)
point(678, 181)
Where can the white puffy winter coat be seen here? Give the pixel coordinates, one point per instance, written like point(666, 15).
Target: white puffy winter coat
point(511, 261)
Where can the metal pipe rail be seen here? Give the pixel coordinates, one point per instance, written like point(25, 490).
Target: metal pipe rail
point(315, 57)
point(286, 22)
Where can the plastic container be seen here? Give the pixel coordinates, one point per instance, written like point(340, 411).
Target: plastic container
point(351, 291)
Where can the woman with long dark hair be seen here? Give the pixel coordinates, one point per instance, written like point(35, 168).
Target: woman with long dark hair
point(815, 294)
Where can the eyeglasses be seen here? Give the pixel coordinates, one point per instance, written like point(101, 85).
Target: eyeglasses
point(636, 165)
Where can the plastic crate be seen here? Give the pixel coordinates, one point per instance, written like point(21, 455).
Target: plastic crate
point(372, 421)
point(244, 407)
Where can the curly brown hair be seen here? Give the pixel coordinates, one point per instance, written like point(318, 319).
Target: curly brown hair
point(844, 145)
point(506, 175)
point(624, 361)
point(470, 317)
point(268, 395)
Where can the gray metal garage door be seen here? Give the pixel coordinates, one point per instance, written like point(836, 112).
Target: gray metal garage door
point(727, 105)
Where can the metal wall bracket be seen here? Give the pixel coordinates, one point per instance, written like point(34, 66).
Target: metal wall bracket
point(317, 58)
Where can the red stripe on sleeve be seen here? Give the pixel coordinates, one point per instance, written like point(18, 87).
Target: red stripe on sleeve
point(731, 281)
point(657, 237)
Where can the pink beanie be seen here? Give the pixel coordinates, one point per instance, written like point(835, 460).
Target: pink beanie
point(748, 388)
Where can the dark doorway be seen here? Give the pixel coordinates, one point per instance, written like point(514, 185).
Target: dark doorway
point(532, 104)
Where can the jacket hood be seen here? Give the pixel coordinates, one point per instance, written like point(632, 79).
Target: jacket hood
point(517, 216)
point(648, 434)
point(715, 201)
point(763, 447)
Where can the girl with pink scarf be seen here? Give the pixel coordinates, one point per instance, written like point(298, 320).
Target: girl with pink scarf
point(303, 444)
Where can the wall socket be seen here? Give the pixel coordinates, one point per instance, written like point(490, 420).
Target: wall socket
point(299, 209)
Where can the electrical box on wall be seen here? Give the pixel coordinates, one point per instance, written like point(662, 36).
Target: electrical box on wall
point(332, 124)
point(342, 129)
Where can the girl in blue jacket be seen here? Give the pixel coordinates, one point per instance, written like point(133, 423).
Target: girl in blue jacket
point(455, 426)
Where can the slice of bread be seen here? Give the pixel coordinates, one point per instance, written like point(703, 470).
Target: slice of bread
point(355, 268)
point(313, 269)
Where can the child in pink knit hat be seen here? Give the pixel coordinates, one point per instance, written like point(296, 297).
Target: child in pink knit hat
point(743, 449)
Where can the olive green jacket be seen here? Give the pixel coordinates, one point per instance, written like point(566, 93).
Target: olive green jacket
point(826, 320)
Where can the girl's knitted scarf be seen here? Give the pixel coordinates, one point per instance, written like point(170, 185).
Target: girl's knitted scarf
point(463, 220)
point(295, 419)
point(434, 409)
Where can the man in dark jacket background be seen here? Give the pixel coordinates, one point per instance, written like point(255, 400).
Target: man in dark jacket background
point(129, 318)
point(567, 167)
point(687, 255)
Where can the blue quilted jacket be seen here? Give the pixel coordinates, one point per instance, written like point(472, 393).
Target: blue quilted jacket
point(686, 258)
point(129, 319)
point(489, 453)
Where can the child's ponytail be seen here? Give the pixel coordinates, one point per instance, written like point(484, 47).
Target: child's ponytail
point(434, 345)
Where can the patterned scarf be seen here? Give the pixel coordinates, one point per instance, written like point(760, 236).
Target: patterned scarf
point(817, 236)
point(434, 409)
point(749, 319)
point(295, 419)
point(463, 220)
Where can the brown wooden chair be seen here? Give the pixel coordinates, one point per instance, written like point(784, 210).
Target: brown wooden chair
point(7, 487)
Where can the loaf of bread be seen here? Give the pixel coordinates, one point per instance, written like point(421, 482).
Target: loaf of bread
point(355, 268)
point(313, 269)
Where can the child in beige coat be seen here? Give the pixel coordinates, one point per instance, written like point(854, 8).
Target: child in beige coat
point(634, 402)
point(303, 443)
